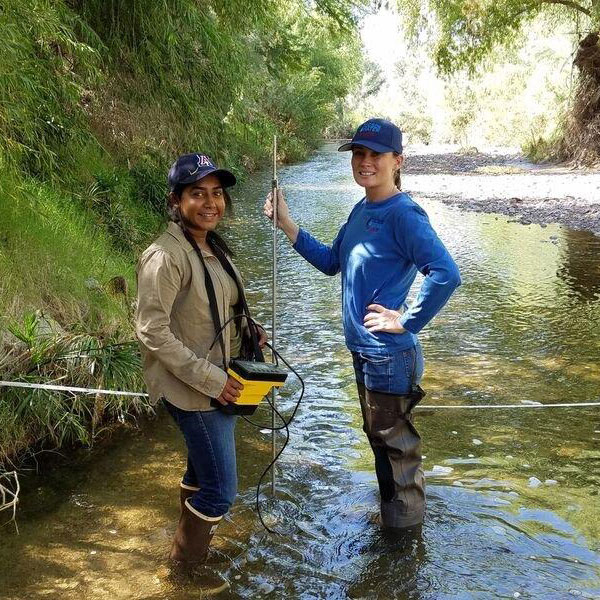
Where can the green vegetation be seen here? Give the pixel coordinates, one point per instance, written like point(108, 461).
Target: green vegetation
point(468, 33)
point(97, 97)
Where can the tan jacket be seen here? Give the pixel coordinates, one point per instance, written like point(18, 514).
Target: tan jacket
point(174, 324)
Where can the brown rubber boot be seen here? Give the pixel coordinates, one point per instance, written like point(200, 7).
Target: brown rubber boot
point(193, 536)
point(185, 492)
point(396, 445)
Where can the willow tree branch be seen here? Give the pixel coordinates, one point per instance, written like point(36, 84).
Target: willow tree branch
point(569, 4)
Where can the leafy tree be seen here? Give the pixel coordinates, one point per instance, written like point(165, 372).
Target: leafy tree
point(466, 31)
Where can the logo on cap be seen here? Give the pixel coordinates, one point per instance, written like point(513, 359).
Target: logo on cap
point(203, 161)
point(374, 127)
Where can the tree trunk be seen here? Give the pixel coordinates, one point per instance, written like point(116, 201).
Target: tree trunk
point(580, 143)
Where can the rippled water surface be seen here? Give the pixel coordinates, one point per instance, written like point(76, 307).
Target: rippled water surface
point(513, 506)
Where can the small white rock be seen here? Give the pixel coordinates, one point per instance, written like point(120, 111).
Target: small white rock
point(516, 595)
point(439, 470)
point(534, 482)
point(455, 432)
point(525, 466)
point(508, 456)
point(93, 552)
point(551, 482)
point(471, 456)
point(477, 442)
point(458, 483)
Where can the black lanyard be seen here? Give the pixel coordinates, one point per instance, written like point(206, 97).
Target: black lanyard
point(255, 351)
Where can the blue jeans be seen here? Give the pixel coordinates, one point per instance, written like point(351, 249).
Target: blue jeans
point(390, 373)
point(211, 464)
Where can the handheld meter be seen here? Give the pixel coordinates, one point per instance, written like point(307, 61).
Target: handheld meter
point(257, 378)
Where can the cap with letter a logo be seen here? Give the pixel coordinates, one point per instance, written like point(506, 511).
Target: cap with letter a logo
point(193, 167)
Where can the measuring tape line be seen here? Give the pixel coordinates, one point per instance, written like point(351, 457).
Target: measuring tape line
point(537, 405)
point(65, 388)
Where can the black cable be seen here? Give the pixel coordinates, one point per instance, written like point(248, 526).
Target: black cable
point(285, 424)
point(287, 434)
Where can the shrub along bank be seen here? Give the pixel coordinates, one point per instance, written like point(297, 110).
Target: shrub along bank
point(96, 98)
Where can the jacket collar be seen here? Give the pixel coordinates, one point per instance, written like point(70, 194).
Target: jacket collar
point(176, 231)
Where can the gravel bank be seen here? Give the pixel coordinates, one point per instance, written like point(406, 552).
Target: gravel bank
point(497, 182)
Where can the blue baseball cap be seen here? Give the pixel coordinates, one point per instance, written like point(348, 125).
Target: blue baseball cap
point(192, 167)
point(378, 135)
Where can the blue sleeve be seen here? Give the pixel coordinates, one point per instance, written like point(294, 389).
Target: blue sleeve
point(426, 251)
point(325, 258)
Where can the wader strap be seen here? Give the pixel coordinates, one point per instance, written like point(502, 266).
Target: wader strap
point(212, 298)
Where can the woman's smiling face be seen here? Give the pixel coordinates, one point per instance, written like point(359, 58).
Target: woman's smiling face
point(202, 204)
point(374, 169)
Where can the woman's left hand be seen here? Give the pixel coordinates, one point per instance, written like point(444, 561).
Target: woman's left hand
point(382, 319)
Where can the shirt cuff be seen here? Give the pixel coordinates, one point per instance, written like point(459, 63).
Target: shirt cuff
point(405, 321)
point(215, 382)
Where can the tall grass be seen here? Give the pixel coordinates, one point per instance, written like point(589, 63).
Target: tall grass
point(43, 353)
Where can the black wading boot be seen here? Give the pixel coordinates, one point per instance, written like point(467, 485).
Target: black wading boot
point(396, 444)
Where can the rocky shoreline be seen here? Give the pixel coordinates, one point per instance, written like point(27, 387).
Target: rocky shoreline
point(506, 183)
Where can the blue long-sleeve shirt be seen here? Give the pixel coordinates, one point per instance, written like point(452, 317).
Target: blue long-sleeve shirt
point(378, 251)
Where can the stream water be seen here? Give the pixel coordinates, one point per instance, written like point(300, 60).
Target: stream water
point(513, 506)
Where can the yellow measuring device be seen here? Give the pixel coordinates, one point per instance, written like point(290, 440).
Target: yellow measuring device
point(258, 379)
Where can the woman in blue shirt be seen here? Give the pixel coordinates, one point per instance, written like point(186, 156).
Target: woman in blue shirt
point(385, 241)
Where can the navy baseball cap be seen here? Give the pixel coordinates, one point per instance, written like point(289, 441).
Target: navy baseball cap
point(378, 135)
point(192, 167)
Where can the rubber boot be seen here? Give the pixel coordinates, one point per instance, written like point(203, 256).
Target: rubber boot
point(186, 491)
point(396, 444)
point(193, 536)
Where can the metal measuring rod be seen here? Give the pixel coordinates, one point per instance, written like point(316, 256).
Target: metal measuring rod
point(274, 187)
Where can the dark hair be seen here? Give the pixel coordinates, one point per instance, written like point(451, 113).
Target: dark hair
point(397, 175)
point(212, 237)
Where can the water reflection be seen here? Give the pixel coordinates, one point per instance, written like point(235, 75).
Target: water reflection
point(580, 268)
point(517, 330)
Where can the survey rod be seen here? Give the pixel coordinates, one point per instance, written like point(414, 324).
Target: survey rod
point(274, 187)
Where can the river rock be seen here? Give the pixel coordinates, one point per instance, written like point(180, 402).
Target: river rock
point(534, 482)
point(439, 470)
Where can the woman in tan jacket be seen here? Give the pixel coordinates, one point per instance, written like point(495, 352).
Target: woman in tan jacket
point(176, 328)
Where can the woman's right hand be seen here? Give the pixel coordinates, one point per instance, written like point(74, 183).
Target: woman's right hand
point(283, 213)
point(284, 221)
point(231, 392)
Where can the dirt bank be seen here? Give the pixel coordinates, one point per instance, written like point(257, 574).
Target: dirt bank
point(503, 182)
